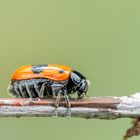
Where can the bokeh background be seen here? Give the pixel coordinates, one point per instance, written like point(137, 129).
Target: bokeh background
point(99, 38)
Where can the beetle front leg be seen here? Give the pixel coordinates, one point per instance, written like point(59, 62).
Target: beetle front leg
point(80, 95)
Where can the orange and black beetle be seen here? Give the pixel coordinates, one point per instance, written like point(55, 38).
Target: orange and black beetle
point(43, 81)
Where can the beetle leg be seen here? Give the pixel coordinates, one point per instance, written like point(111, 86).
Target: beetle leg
point(68, 104)
point(67, 101)
point(57, 91)
point(80, 96)
point(58, 97)
point(41, 94)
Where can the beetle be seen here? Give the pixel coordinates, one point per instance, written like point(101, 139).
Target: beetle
point(49, 80)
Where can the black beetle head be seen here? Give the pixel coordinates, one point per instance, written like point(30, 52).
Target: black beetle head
point(80, 84)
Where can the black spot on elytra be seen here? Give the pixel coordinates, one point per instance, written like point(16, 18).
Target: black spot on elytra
point(61, 71)
point(38, 68)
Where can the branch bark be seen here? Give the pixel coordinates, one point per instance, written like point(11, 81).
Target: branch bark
point(95, 107)
point(109, 107)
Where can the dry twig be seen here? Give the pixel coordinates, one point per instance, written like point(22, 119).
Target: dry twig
point(94, 107)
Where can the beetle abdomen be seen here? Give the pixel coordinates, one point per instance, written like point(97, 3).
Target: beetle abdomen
point(32, 88)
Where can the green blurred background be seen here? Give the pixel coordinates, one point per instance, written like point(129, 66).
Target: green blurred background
point(99, 38)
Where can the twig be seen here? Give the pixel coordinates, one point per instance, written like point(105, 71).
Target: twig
point(94, 107)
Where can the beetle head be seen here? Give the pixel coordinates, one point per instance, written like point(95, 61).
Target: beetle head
point(80, 83)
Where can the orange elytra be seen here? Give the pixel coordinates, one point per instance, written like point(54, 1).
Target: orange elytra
point(50, 71)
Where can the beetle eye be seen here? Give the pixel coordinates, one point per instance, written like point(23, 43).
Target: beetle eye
point(75, 78)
